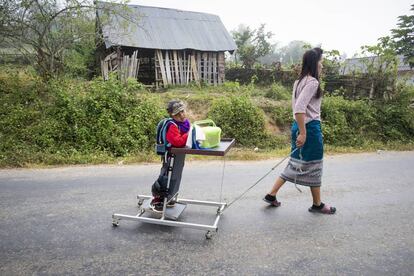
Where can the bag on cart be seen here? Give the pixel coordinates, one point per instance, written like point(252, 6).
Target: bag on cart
point(211, 133)
point(161, 142)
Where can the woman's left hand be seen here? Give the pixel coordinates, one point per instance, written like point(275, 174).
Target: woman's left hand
point(300, 140)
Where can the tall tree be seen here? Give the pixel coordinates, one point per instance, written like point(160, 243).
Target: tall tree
point(293, 52)
point(251, 44)
point(49, 33)
point(404, 37)
point(380, 64)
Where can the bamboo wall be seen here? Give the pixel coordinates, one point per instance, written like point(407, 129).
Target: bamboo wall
point(171, 67)
point(182, 67)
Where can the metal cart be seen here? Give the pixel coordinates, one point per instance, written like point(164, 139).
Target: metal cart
point(169, 216)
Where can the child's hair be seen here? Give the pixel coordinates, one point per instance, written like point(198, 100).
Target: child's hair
point(175, 106)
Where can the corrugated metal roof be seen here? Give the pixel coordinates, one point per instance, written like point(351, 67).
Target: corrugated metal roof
point(162, 28)
point(359, 64)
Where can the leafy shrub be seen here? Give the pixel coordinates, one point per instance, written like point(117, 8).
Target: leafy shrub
point(269, 141)
point(69, 121)
point(64, 117)
point(132, 85)
point(354, 122)
point(346, 122)
point(239, 118)
point(282, 115)
point(278, 92)
point(22, 98)
point(262, 76)
point(231, 86)
point(108, 117)
point(396, 118)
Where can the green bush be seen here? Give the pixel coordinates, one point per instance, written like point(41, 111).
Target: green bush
point(270, 141)
point(69, 121)
point(66, 117)
point(232, 86)
point(278, 92)
point(282, 115)
point(239, 118)
point(107, 117)
point(396, 117)
point(354, 122)
point(347, 123)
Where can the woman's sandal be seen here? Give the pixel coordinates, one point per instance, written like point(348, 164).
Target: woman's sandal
point(272, 200)
point(275, 203)
point(326, 209)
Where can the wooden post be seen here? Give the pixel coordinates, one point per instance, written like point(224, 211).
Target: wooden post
point(221, 67)
point(205, 66)
point(125, 71)
point(199, 65)
point(215, 68)
point(103, 69)
point(177, 73)
point(188, 70)
point(194, 68)
point(121, 68)
point(162, 68)
point(371, 91)
point(209, 68)
point(156, 69)
point(167, 67)
point(180, 58)
point(119, 58)
point(131, 65)
point(185, 67)
point(137, 62)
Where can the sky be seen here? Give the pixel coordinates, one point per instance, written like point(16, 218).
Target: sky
point(335, 24)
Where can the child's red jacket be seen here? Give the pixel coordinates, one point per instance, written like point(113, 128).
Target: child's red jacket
point(175, 137)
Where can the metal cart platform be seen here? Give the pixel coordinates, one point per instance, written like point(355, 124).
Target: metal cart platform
point(169, 216)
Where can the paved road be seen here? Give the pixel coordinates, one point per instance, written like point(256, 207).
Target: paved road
point(58, 221)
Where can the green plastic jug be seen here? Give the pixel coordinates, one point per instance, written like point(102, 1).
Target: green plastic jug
point(212, 133)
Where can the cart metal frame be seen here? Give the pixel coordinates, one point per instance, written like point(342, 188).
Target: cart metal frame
point(168, 216)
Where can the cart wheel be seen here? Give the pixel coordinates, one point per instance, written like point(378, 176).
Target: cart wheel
point(115, 223)
point(209, 235)
point(218, 211)
point(140, 202)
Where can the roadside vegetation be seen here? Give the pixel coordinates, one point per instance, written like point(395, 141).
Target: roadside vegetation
point(54, 110)
point(69, 121)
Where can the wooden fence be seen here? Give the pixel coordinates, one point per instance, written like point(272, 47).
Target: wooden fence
point(126, 66)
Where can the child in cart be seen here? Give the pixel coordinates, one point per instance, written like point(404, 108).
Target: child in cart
point(176, 136)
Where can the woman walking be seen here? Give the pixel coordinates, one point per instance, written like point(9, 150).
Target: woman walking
point(306, 159)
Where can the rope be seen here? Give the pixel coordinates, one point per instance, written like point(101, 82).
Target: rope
point(257, 182)
point(222, 178)
point(300, 169)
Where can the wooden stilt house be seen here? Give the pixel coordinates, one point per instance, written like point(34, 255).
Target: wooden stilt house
point(165, 46)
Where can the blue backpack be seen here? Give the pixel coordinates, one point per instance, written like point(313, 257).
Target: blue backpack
point(162, 128)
